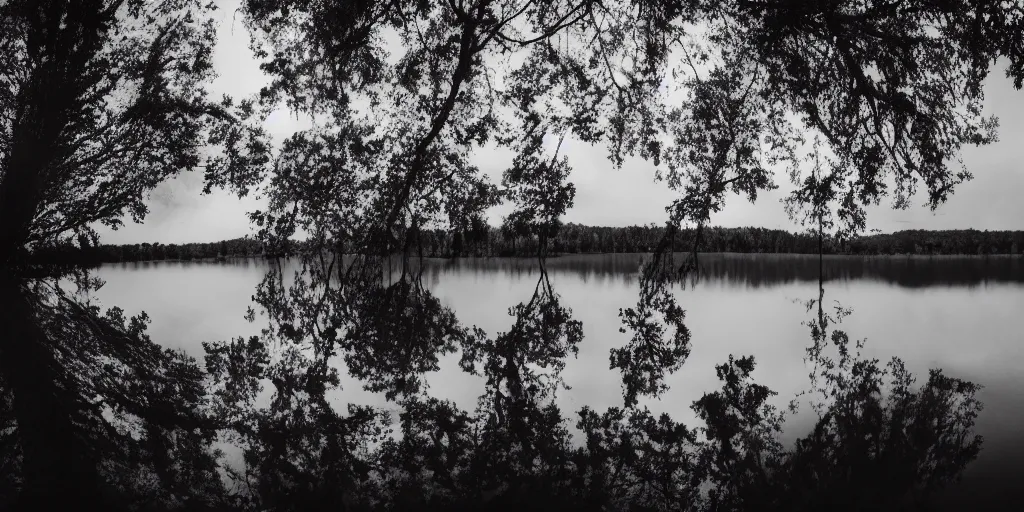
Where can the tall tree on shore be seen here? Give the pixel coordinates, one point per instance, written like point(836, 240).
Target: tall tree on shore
point(100, 101)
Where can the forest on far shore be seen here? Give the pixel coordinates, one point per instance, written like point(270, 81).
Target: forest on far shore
point(579, 239)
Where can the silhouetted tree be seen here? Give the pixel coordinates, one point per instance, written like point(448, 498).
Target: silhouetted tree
point(101, 101)
point(389, 165)
point(105, 99)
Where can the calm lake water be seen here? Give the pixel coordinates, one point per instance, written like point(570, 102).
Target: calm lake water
point(962, 314)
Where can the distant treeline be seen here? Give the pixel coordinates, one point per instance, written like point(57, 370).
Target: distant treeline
point(579, 239)
point(239, 247)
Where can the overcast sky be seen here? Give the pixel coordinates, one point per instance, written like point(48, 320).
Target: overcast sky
point(604, 195)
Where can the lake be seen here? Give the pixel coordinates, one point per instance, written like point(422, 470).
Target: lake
point(962, 314)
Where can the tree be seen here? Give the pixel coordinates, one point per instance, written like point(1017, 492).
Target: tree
point(892, 90)
point(101, 101)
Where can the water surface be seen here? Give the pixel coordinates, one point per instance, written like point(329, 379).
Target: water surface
point(962, 314)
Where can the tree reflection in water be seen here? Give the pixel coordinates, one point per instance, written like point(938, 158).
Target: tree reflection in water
point(879, 440)
point(91, 406)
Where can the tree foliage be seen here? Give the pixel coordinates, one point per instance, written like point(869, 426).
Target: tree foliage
point(100, 102)
point(721, 94)
point(103, 100)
